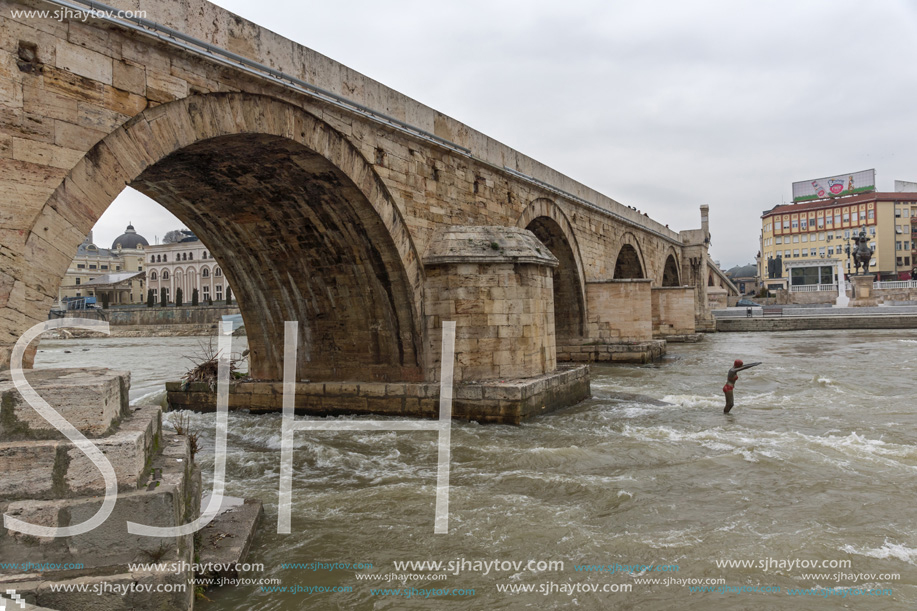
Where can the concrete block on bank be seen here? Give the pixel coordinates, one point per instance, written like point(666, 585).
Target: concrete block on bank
point(227, 540)
point(166, 500)
point(92, 400)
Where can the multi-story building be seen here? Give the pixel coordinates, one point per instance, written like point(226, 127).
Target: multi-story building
point(115, 271)
point(815, 236)
point(187, 265)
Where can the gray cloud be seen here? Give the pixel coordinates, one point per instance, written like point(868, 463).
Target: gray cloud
point(662, 105)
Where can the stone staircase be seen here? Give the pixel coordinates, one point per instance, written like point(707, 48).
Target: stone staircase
point(45, 480)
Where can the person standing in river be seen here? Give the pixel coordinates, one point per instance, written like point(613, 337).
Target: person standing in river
point(731, 378)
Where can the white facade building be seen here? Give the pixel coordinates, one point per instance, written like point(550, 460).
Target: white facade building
point(187, 265)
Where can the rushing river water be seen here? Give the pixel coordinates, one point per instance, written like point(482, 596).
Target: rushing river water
point(817, 462)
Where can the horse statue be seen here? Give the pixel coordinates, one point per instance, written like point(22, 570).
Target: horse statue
point(862, 253)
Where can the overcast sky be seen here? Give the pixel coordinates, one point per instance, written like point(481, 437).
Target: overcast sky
point(660, 105)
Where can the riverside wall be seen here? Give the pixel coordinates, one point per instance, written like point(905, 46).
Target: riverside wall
point(817, 323)
point(151, 322)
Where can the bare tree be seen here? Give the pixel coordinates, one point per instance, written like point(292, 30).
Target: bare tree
point(173, 237)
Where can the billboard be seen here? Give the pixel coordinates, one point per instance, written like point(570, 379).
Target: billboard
point(905, 186)
point(835, 186)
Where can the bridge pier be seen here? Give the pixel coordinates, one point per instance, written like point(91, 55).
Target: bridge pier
point(618, 325)
point(673, 312)
point(496, 284)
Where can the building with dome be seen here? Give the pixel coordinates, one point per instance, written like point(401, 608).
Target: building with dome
point(115, 273)
point(129, 240)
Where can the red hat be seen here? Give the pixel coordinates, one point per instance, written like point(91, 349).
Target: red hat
point(738, 363)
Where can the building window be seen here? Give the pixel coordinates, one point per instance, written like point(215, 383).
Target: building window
point(165, 274)
point(152, 258)
point(805, 237)
point(862, 215)
point(91, 266)
point(206, 290)
point(191, 256)
point(218, 272)
point(795, 224)
point(837, 219)
point(872, 214)
point(831, 251)
point(152, 275)
point(795, 239)
point(828, 220)
point(779, 240)
point(219, 291)
point(104, 267)
point(795, 253)
point(811, 252)
point(846, 217)
point(165, 258)
point(846, 234)
point(77, 280)
point(872, 231)
point(803, 224)
point(786, 224)
point(205, 273)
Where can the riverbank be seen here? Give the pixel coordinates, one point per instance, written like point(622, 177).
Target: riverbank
point(186, 321)
point(816, 323)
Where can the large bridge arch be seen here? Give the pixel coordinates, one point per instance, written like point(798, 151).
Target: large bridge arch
point(551, 226)
point(629, 262)
point(297, 219)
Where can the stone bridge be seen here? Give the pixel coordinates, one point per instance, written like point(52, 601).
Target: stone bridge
point(326, 197)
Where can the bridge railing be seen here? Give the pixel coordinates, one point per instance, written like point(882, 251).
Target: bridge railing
point(896, 284)
point(811, 288)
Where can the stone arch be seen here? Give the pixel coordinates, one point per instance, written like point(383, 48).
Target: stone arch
point(551, 226)
point(670, 270)
point(359, 305)
point(629, 262)
point(710, 279)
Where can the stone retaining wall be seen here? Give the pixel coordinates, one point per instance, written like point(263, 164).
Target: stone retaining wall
point(801, 323)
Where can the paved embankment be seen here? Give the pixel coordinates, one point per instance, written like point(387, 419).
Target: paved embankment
point(815, 323)
point(152, 322)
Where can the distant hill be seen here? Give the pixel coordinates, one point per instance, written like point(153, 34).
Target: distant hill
point(742, 271)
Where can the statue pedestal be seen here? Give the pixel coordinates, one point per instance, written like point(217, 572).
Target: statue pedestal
point(863, 295)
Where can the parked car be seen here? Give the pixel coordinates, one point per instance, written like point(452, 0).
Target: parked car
point(747, 303)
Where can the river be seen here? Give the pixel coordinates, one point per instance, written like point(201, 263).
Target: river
point(816, 464)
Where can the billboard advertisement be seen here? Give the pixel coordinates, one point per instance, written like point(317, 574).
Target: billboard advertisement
point(863, 181)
